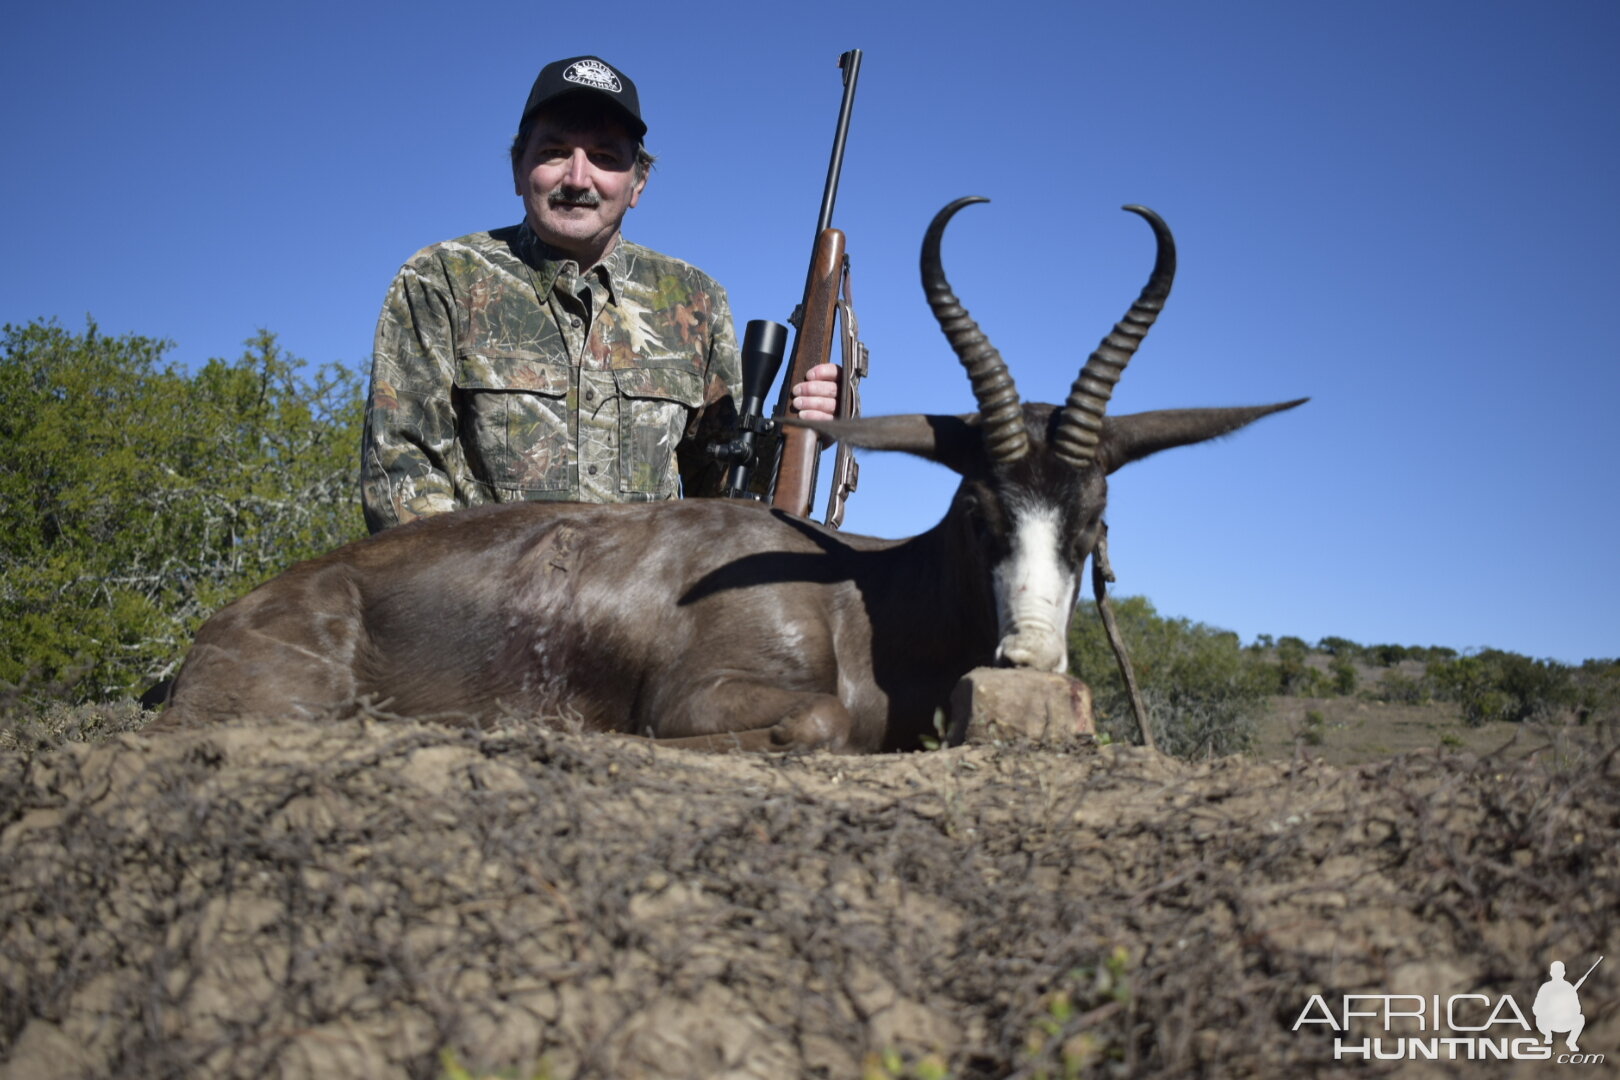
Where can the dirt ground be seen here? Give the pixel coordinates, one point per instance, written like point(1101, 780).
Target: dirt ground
point(392, 899)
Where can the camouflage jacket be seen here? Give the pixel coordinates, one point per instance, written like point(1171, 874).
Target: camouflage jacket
point(500, 373)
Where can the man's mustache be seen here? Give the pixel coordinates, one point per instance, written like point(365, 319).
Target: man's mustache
point(567, 196)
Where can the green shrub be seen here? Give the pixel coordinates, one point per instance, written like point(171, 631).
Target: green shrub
point(1496, 685)
point(1398, 688)
point(1338, 646)
point(1203, 692)
point(1387, 655)
point(1597, 691)
point(1342, 673)
point(1313, 728)
point(139, 497)
point(1294, 675)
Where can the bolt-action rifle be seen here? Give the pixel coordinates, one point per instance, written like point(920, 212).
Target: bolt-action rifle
point(826, 304)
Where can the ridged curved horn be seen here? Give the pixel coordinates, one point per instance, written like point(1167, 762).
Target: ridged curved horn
point(1001, 415)
point(1079, 425)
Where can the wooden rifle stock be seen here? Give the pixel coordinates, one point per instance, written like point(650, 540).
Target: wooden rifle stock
point(817, 317)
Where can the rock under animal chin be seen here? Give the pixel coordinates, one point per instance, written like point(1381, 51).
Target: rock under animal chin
point(1038, 652)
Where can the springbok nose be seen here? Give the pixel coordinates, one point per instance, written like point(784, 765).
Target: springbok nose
point(1039, 647)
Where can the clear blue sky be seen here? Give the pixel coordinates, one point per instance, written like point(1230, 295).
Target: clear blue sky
point(1406, 210)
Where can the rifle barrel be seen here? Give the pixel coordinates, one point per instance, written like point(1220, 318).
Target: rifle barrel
point(851, 63)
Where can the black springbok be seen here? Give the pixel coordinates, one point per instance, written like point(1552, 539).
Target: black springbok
point(720, 623)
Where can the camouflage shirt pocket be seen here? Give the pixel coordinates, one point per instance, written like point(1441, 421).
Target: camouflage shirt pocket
point(513, 414)
point(658, 402)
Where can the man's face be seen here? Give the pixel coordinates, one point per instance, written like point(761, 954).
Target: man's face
point(577, 182)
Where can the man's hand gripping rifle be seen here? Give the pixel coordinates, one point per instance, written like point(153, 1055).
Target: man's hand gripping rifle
point(826, 303)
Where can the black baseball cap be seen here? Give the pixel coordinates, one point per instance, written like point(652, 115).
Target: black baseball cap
point(586, 75)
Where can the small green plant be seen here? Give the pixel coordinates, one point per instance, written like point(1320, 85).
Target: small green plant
point(455, 1070)
point(1061, 1044)
point(891, 1064)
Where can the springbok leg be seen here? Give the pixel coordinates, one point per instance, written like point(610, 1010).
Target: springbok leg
point(804, 721)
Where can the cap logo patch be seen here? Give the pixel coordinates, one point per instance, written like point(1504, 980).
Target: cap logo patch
point(593, 73)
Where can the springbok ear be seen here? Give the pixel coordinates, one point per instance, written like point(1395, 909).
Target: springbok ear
point(951, 441)
point(1137, 435)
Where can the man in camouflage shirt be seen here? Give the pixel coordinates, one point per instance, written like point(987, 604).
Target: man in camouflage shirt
point(554, 359)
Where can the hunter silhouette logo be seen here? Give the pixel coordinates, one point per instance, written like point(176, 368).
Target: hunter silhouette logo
point(1558, 1007)
point(1456, 1027)
point(593, 73)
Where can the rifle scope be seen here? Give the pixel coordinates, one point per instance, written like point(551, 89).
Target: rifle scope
point(764, 343)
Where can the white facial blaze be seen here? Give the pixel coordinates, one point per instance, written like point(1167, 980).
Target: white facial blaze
point(1034, 594)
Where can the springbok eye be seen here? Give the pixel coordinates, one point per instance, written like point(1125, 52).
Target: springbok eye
point(1084, 538)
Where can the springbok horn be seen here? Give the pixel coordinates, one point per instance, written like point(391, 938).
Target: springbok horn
point(1079, 425)
point(1000, 414)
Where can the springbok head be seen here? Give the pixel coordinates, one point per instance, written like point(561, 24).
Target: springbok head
point(1034, 476)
